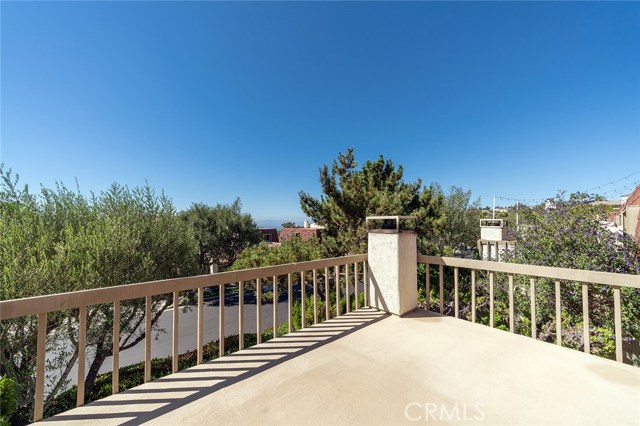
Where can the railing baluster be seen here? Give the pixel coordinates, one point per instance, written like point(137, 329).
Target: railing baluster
point(347, 282)
point(491, 299)
point(473, 295)
point(221, 320)
point(258, 310)
point(40, 360)
point(441, 278)
point(200, 336)
point(82, 343)
point(617, 317)
point(303, 300)
point(147, 338)
point(315, 296)
point(533, 308)
point(176, 331)
point(586, 335)
point(290, 291)
point(327, 308)
point(511, 312)
point(115, 374)
point(427, 280)
point(240, 315)
point(455, 290)
point(356, 283)
point(365, 280)
point(558, 315)
point(275, 305)
point(336, 271)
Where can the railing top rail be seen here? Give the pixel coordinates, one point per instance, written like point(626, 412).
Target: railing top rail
point(579, 275)
point(58, 302)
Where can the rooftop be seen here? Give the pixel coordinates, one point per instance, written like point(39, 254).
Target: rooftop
point(369, 367)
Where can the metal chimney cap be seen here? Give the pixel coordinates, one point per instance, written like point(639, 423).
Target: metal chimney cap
point(391, 224)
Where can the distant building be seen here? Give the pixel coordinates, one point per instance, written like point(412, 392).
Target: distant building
point(269, 235)
point(627, 216)
point(305, 233)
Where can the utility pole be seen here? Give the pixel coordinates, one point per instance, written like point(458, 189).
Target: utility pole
point(494, 207)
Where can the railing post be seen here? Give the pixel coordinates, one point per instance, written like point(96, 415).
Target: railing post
point(147, 338)
point(200, 323)
point(511, 311)
point(221, 321)
point(473, 295)
point(327, 308)
point(290, 291)
point(456, 290)
point(533, 308)
point(392, 257)
point(491, 299)
point(276, 296)
point(427, 286)
point(176, 331)
point(303, 299)
point(115, 374)
point(82, 341)
point(586, 335)
point(558, 315)
point(441, 285)
point(38, 402)
point(315, 296)
point(617, 318)
point(258, 310)
point(240, 315)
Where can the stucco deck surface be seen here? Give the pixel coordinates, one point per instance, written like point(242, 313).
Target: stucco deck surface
point(368, 368)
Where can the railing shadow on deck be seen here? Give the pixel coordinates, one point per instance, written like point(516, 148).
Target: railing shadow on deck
point(217, 374)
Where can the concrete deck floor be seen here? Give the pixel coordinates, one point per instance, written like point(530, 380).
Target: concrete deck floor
point(370, 368)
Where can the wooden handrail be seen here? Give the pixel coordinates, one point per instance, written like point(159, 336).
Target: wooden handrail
point(566, 274)
point(62, 301)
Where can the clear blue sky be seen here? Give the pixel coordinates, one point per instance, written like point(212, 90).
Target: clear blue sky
point(213, 101)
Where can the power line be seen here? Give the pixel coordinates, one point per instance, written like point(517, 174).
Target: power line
point(612, 182)
point(620, 190)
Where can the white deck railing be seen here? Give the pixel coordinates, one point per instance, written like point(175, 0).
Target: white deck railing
point(43, 305)
point(586, 278)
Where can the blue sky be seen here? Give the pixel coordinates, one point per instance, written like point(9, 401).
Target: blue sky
point(213, 101)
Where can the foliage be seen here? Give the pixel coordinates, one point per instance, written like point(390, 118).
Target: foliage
point(7, 399)
point(289, 251)
point(61, 241)
point(289, 225)
point(377, 188)
point(570, 236)
point(222, 232)
point(460, 224)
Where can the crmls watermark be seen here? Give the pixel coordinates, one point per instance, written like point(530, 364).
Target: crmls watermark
point(432, 411)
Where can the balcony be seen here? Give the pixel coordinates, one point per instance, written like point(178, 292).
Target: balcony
point(369, 367)
point(362, 366)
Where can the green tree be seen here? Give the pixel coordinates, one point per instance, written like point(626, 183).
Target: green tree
point(289, 251)
point(222, 232)
point(460, 224)
point(351, 194)
point(570, 236)
point(289, 225)
point(61, 241)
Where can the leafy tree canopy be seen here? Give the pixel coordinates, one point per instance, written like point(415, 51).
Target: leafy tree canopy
point(289, 251)
point(571, 236)
point(222, 232)
point(461, 220)
point(61, 240)
point(350, 194)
